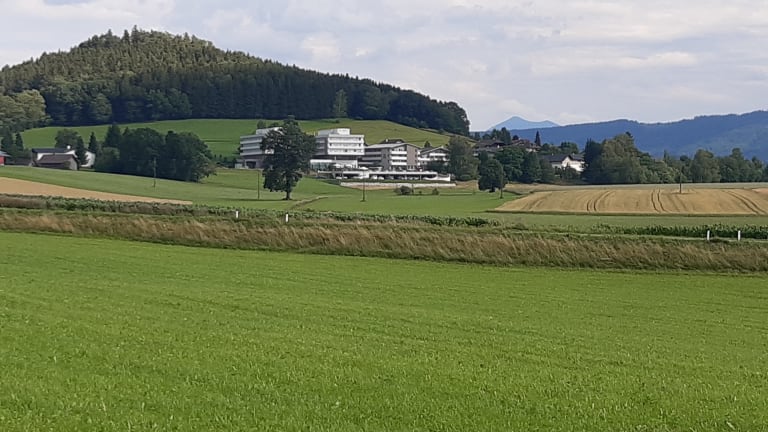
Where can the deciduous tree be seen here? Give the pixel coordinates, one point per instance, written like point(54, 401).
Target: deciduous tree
point(288, 151)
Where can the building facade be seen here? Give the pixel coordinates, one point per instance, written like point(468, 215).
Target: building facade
point(433, 154)
point(251, 154)
point(333, 147)
point(339, 148)
point(399, 156)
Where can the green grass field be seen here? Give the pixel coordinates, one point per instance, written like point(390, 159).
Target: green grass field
point(113, 335)
point(223, 136)
point(237, 188)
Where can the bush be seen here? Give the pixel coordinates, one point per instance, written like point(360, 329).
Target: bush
point(435, 191)
point(404, 190)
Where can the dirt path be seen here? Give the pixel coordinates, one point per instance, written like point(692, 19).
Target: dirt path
point(23, 187)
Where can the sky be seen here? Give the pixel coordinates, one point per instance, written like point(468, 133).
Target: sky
point(569, 62)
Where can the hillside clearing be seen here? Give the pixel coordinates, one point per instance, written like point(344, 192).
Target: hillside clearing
point(693, 201)
point(267, 341)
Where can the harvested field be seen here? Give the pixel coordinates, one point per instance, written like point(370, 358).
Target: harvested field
point(644, 201)
point(23, 187)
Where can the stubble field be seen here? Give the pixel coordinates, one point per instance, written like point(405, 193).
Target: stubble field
point(657, 201)
point(114, 335)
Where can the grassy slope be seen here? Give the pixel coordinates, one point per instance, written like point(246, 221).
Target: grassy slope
point(223, 136)
point(134, 336)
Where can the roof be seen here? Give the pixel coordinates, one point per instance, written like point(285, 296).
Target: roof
point(393, 141)
point(559, 158)
point(4, 154)
point(51, 150)
point(432, 149)
point(55, 159)
point(388, 146)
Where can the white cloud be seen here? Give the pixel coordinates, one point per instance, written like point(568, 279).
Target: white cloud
point(562, 60)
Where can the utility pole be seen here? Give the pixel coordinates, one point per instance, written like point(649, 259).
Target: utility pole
point(363, 200)
point(681, 181)
point(258, 185)
point(154, 172)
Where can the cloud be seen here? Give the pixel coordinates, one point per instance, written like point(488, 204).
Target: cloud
point(546, 59)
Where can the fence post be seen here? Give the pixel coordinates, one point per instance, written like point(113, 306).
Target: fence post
point(237, 214)
point(739, 235)
point(709, 235)
point(286, 218)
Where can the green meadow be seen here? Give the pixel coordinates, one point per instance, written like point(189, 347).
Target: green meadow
point(115, 335)
point(237, 188)
point(223, 136)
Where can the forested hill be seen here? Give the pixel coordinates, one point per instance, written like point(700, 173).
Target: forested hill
point(718, 134)
point(144, 76)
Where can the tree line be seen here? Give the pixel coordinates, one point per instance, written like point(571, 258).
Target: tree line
point(143, 152)
point(612, 161)
point(146, 76)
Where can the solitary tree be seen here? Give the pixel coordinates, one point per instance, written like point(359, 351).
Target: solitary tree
point(288, 153)
point(461, 163)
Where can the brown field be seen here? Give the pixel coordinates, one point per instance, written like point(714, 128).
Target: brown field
point(644, 201)
point(23, 187)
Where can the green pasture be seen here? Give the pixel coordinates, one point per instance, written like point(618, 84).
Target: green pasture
point(223, 136)
point(114, 335)
point(237, 188)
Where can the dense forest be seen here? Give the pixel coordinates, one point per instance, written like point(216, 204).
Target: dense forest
point(145, 76)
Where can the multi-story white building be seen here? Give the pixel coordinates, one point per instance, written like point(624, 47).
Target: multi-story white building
point(398, 156)
point(334, 147)
point(250, 148)
point(338, 147)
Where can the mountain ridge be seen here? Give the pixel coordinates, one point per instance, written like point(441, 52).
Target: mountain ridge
point(716, 133)
point(517, 122)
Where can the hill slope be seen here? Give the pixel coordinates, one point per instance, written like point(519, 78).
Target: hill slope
point(223, 135)
point(147, 76)
point(718, 134)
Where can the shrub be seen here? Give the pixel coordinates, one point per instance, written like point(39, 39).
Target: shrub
point(404, 190)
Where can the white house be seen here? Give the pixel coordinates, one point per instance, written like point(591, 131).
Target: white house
point(338, 147)
point(38, 155)
point(574, 162)
point(392, 156)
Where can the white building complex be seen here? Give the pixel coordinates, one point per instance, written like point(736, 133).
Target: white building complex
point(337, 147)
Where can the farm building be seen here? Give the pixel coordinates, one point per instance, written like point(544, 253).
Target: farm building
point(40, 153)
point(57, 161)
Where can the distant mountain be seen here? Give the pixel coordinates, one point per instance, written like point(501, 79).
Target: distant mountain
point(146, 76)
point(521, 123)
point(718, 134)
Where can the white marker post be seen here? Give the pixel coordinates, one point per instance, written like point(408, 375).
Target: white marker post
point(739, 239)
point(709, 235)
point(286, 218)
point(237, 214)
